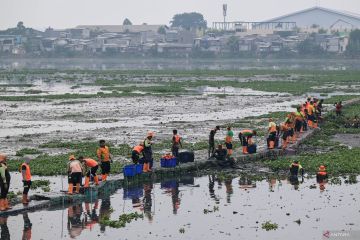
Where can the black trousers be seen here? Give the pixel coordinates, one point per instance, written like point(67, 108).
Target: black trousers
point(105, 167)
point(92, 171)
point(27, 185)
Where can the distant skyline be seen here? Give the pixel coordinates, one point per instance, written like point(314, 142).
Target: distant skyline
point(59, 14)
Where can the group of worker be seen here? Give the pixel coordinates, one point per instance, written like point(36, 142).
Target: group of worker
point(307, 115)
point(83, 166)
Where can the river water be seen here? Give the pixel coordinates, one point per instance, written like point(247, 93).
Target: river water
point(302, 210)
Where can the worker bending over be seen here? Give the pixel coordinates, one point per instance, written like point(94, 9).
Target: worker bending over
point(91, 166)
point(245, 137)
point(137, 150)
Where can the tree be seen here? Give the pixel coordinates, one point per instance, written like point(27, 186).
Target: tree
point(309, 47)
point(127, 22)
point(161, 30)
point(353, 48)
point(20, 25)
point(233, 44)
point(189, 20)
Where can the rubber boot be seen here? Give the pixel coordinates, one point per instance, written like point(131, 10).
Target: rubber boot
point(77, 191)
point(6, 204)
point(271, 144)
point(87, 182)
point(71, 187)
point(103, 177)
point(96, 180)
point(145, 170)
point(25, 199)
point(2, 206)
point(244, 150)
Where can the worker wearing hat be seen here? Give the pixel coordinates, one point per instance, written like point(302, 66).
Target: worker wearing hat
point(75, 174)
point(148, 151)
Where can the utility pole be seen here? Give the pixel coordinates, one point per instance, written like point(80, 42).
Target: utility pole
point(224, 14)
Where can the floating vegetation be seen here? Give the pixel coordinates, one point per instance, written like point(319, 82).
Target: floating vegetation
point(122, 221)
point(269, 226)
point(214, 209)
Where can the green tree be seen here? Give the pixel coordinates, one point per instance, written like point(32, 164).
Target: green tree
point(189, 20)
point(127, 22)
point(233, 44)
point(162, 30)
point(20, 25)
point(353, 49)
point(308, 47)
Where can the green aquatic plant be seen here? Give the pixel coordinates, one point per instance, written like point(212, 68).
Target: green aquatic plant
point(26, 151)
point(122, 220)
point(268, 225)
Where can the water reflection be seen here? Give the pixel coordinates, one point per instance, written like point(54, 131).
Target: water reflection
point(180, 197)
point(5, 233)
point(27, 227)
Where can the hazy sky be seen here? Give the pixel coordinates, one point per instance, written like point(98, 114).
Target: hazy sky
point(69, 13)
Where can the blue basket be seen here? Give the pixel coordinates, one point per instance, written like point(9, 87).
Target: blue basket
point(132, 193)
point(168, 163)
point(129, 170)
point(139, 168)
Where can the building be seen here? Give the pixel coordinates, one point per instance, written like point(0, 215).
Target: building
point(319, 17)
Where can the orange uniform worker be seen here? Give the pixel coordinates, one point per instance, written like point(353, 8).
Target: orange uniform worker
point(104, 157)
point(93, 165)
point(135, 154)
point(311, 114)
point(26, 179)
point(176, 143)
point(75, 174)
point(321, 174)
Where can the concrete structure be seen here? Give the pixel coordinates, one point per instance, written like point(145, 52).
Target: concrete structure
point(319, 17)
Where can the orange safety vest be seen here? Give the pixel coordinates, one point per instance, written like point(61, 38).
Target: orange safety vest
point(310, 110)
point(322, 173)
point(177, 138)
point(103, 154)
point(90, 162)
point(138, 148)
point(27, 172)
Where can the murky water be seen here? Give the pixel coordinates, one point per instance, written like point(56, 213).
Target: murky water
point(241, 206)
point(184, 64)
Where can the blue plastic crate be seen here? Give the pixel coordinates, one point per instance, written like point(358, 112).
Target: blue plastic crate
point(139, 168)
point(171, 163)
point(168, 163)
point(129, 170)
